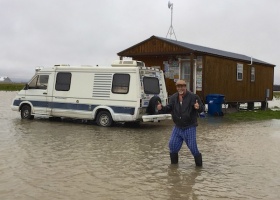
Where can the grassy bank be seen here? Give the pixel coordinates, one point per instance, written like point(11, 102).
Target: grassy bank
point(11, 86)
point(276, 94)
point(244, 115)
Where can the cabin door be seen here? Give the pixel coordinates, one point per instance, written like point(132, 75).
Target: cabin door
point(185, 72)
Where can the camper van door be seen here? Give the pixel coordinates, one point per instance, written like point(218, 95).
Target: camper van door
point(38, 94)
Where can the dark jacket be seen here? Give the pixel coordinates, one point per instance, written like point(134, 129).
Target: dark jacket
point(184, 115)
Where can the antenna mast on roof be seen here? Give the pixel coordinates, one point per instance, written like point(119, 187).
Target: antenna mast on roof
point(171, 30)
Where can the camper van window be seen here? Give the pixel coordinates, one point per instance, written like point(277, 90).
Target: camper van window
point(120, 83)
point(151, 85)
point(39, 82)
point(63, 81)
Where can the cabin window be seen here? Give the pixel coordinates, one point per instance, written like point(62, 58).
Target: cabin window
point(239, 72)
point(39, 82)
point(151, 85)
point(253, 74)
point(63, 81)
point(120, 83)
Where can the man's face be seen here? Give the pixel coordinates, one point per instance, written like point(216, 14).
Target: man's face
point(181, 88)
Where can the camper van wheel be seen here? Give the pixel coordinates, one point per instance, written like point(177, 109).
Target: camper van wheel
point(104, 118)
point(26, 112)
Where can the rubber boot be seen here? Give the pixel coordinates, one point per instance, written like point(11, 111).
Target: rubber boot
point(198, 160)
point(174, 158)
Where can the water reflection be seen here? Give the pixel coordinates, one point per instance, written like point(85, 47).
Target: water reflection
point(180, 179)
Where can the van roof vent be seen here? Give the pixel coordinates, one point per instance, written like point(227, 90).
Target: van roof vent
point(38, 69)
point(128, 63)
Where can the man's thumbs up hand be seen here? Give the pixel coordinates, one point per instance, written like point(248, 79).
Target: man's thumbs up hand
point(159, 106)
point(196, 105)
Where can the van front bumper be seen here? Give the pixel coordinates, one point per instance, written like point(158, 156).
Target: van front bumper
point(14, 108)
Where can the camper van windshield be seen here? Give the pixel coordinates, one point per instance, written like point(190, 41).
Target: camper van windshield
point(39, 82)
point(151, 85)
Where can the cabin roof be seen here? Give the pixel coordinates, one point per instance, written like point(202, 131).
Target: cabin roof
point(206, 50)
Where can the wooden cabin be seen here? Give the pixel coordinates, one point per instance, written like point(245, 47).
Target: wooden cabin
point(240, 78)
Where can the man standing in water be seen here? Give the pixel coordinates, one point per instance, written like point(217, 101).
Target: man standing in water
point(184, 107)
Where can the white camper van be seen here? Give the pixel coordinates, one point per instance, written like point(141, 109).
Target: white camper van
point(127, 91)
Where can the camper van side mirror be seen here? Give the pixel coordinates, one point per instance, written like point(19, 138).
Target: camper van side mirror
point(26, 87)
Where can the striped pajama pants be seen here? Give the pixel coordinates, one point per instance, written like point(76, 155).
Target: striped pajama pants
point(179, 135)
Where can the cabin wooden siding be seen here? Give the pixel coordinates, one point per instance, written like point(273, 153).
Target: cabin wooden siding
point(219, 73)
point(153, 52)
point(154, 46)
point(220, 77)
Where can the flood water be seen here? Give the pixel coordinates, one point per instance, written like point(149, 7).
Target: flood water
point(42, 159)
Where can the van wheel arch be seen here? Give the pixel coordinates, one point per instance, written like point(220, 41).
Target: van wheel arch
point(25, 112)
point(104, 118)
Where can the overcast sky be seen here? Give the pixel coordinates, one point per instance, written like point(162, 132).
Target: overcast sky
point(43, 33)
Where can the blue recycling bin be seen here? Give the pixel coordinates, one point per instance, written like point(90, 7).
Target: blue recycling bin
point(215, 102)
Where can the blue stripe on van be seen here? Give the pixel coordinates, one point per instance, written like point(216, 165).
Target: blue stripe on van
point(126, 110)
point(71, 106)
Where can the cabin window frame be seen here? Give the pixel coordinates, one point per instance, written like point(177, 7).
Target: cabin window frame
point(239, 72)
point(253, 74)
